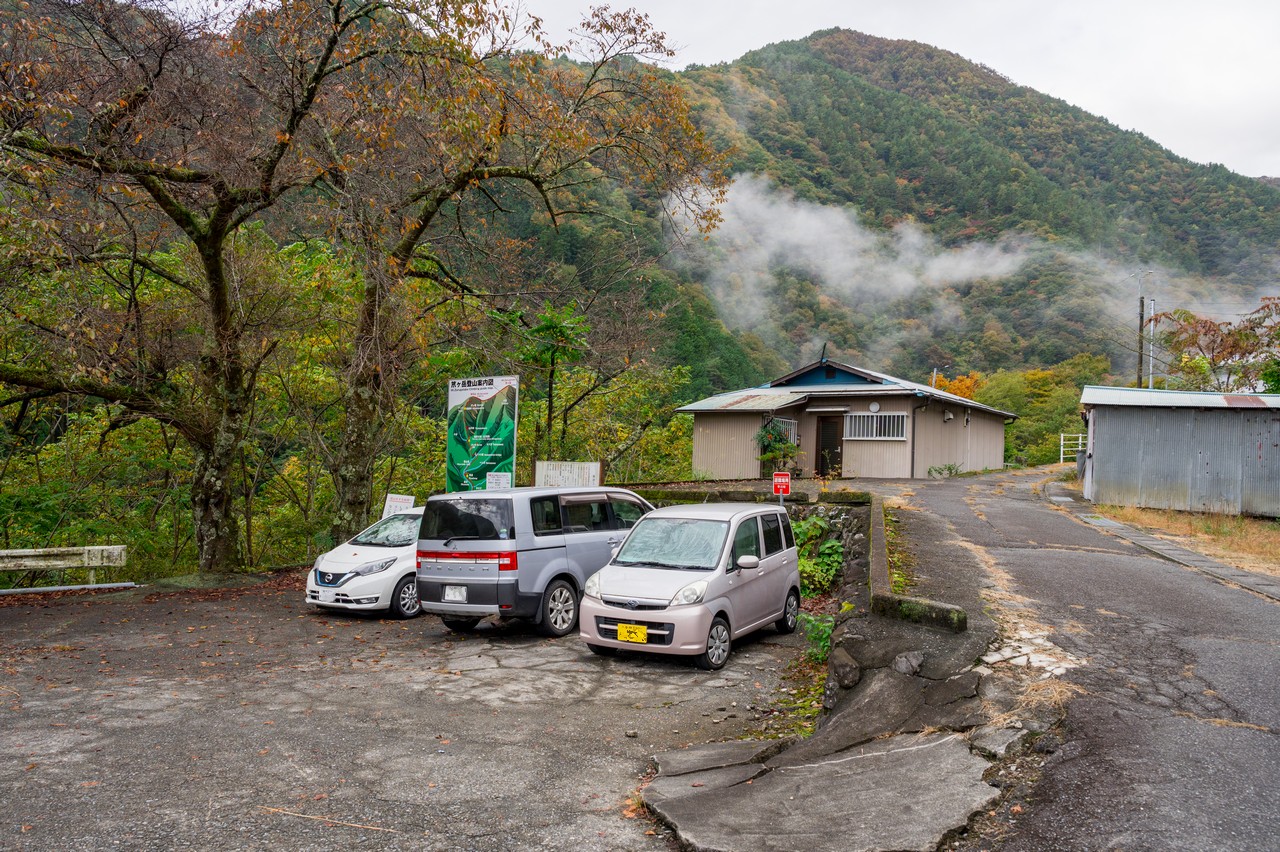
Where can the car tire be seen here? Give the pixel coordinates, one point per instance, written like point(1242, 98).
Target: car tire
point(602, 650)
point(790, 613)
point(719, 644)
point(460, 625)
point(404, 600)
point(559, 609)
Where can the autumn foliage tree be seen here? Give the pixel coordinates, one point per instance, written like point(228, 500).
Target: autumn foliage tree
point(147, 154)
point(1218, 355)
point(490, 133)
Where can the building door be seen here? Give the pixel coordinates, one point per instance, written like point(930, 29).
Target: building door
point(830, 442)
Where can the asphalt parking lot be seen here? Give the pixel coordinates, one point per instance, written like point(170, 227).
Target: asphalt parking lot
point(245, 719)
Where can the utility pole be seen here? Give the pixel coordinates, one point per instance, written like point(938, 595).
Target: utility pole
point(1151, 348)
point(1142, 304)
point(1142, 319)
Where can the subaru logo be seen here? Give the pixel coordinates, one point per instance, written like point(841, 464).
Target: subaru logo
point(633, 604)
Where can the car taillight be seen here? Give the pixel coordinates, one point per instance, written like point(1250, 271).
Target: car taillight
point(507, 560)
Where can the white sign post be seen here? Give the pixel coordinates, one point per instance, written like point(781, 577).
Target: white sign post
point(396, 503)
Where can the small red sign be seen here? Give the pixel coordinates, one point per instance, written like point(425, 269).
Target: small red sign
point(782, 483)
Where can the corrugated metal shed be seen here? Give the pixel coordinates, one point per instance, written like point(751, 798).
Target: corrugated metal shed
point(1096, 395)
point(1198, 452)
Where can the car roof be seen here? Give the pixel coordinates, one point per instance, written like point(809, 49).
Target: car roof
point(532, 491)
point(711, 511)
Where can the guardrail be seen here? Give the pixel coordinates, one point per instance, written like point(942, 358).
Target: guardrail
point(59, 560)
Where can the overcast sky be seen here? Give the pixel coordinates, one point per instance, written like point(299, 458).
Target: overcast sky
point(1200, 78)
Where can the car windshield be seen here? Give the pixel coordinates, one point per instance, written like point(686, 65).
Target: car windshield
point(393, 531)
point(476, 519)
point(674, 543)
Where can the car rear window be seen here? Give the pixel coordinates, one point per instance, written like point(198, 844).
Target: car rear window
point(457, 518)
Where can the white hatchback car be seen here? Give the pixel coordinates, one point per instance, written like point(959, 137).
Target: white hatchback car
point(692, 579)
point(374, 570)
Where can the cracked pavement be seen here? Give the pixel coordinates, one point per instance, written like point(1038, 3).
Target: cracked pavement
point(244, 719)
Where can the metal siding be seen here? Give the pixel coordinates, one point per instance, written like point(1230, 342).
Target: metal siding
point(986, 442)
point(878, 459)
point(808, 443)
point(1215, 481)
point(724, 445)
point(1116, 464)
point(1219, 460)
point(1260, 488)
point(978, 446)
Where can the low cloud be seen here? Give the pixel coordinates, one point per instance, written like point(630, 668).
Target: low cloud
point(766, 229)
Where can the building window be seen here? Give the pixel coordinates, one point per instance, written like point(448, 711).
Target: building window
point(875, 427)
point(790, 429)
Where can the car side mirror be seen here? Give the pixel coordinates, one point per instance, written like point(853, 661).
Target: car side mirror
point(748, 561)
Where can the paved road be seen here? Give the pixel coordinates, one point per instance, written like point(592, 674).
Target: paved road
point(1172, 742)
point(245, 720)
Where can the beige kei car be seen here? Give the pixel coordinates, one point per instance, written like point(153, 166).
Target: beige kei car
point(692, 579)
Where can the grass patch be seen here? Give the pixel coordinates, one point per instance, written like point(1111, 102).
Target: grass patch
point(1248, 543)
point(797, 704)
point(901, 561)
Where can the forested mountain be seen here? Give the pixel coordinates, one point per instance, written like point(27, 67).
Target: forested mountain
point(897, 132)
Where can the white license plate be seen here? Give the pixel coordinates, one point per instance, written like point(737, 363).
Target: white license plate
point(455, 594)
point(328, 595)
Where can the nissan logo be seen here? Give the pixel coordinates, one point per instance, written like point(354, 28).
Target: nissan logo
point(328, 578)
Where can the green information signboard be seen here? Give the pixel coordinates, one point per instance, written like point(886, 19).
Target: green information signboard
point(482, 433)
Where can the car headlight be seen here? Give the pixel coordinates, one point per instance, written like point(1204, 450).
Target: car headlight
point(690, 594)
point(591, 588)
point(374, 567)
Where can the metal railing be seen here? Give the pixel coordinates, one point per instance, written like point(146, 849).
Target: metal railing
point(1070, 446)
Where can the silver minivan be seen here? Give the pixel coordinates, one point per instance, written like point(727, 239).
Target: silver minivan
point(518, 552)
point(692, 579)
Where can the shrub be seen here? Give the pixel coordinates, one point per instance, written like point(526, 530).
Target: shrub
point(817, 629)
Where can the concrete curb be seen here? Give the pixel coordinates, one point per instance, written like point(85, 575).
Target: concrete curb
point(904, 607)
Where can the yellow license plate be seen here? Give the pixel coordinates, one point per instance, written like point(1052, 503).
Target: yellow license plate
point(633, 633)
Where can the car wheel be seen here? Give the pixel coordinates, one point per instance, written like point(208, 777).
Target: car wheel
point(460, 625)
point(719, 643)
point(404, 600)
point(601, 650)
point(790, 613)
point(559, 609)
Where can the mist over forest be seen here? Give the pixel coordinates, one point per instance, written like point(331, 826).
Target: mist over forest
point(911, 210)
